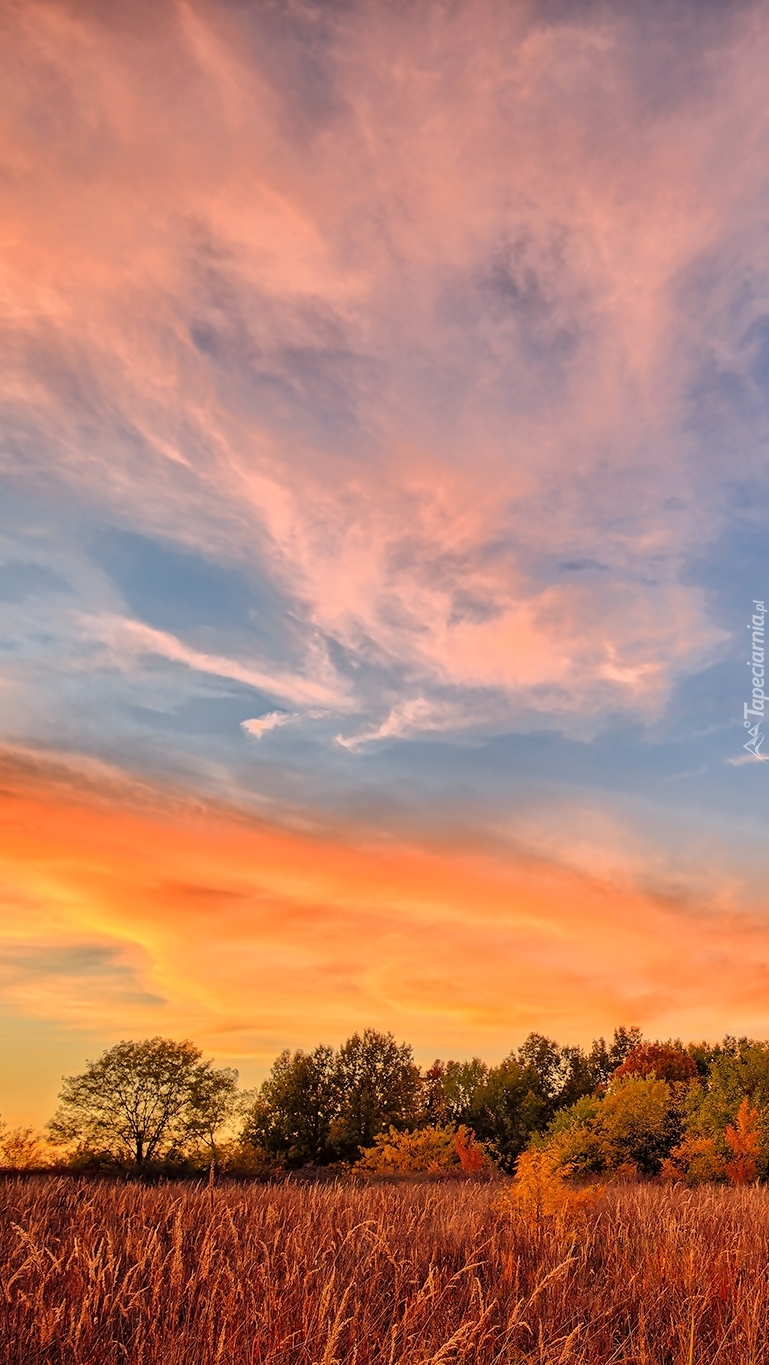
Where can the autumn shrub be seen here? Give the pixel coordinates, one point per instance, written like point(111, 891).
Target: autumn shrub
point(541, 1191)
point(474, 1156)
point(241, 1158)
point(431, 1150)
point(695, 1161)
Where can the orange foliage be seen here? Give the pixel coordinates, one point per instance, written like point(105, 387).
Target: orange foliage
point(745, 1144)
point(694, 1161)
point(540, 1191)
point(660, 1060)
point(429, 1150)
point(472, 1156)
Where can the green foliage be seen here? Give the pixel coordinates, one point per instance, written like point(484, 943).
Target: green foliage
point(324, 1105)
point(507, 1110)
point(521, 1096)
point(634, 1128)
point(292, 1116)
point(450, 1090)
point(378, 1086)
point(138, 1102)
point(573, 1138)
point(740, 1069)
point(558, 1075)
point(638, 1125)
point(602, 1061)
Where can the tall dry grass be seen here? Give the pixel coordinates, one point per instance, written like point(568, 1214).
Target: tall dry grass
point(178, 1275)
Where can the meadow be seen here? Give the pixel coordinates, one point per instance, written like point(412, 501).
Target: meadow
point(99, 1273)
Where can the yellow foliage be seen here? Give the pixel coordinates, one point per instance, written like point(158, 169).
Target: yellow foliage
point(424, 1151)
point(244, 1158)
point(696, 1161)
point(540, 1191)
point(22, 1149)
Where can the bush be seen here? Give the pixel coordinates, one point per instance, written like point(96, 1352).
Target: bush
point(695, 1161)
point(541, 1191)
point(437, 1148)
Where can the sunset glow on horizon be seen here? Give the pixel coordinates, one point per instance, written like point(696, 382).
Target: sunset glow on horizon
point(385, 434)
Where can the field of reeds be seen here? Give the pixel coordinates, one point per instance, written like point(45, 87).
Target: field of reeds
point(388, 1274)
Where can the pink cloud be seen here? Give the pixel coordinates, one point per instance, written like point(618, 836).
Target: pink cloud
point(417, 352)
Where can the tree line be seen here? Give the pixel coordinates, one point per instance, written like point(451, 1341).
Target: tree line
point(688, 1112)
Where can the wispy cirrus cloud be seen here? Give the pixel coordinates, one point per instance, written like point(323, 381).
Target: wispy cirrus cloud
point(416, 368)
point(129, 639)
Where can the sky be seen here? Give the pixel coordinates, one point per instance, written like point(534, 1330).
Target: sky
point(384, 474)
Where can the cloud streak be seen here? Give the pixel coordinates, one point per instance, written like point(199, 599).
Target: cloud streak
point(127, 639)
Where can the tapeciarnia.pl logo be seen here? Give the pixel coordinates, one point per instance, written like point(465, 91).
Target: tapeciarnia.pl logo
point(755, 707)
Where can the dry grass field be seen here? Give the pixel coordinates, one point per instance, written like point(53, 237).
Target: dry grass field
point(98, 1273)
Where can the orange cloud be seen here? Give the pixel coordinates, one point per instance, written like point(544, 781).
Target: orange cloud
point(138, 911)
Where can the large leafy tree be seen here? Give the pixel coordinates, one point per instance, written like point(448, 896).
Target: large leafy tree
point(665, 1061)
point(212, 1105)
point(136, 1101)
point(507, 1108)
point(449, 1089)
point(602, 1061)
point(558, 1075)
point(638, 1124)
point(739, 1068)
point(379, 1086)
point(292, 1115)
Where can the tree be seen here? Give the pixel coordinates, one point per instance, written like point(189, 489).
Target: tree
point(292, 1115)
point(739, 1071)
point(572, 1136)
point(507, 1109)
point(211, 1105)
point(559, 1075)
point(134, 1102)
point(638, 1125)
point(451, 1088)
point(744, 1143)
point(378, 1085)
point(666, 1061)
point(602, 1061)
